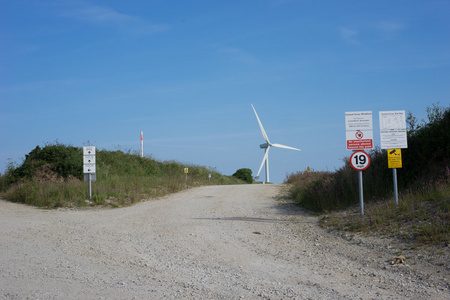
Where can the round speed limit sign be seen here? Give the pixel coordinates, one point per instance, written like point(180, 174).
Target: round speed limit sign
point(360, 160)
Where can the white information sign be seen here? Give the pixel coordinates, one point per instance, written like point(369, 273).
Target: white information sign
point(359, 134)
point(88, 159)
point(89, 150)
point(390, 120)
point(358, 120)
point(393, 130)
point(89, 169)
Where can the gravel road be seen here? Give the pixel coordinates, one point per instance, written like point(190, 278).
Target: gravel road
point(213, 242)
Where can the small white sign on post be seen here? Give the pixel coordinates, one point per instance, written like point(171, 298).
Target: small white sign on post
point(359, 136)
point(89, 169)
point(360, 161)
point(89, 166)
point(89, 150)
point(393, 130)
point(88, 159)
point(358, 126)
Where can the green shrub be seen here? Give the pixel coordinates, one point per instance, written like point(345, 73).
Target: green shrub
point(244, 174)
point(64, 160)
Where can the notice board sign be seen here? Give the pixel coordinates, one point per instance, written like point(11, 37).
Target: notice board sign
point(358, 126)
point(393, 130)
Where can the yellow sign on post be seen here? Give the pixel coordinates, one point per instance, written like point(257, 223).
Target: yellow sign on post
point(186, 170)
point(394, 158)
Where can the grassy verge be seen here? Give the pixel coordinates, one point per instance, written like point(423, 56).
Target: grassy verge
point(421, 217)
point(122, 178)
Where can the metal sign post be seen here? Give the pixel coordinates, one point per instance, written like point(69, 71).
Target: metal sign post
point(393, 138)
point(186, 171)
point(394, 162)
point(142, 144)
point(89, 166)
point(394, 175)
point(359, 136)
point(90, 187)
point(360, 161)
point(361, 193)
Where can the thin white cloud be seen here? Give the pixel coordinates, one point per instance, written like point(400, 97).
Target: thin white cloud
point(240, 55)
point(349, 35)
point(92, 13)
point(389, 28)
point(98, 14)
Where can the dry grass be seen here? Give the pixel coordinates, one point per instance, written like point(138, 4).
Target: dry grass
point(422, 217)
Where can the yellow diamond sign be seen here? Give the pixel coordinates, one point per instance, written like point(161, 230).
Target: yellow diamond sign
point(394, 158)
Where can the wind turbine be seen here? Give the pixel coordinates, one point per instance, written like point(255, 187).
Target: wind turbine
point(267, 146)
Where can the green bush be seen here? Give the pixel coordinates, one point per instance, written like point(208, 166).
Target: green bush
point(64, 160)
point(244, 174)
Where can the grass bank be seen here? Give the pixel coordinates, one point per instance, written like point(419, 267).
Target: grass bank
point(52, 176)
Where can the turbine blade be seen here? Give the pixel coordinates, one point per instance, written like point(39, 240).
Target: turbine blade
point(260, 125)
point(285, 147)
point(266, 154)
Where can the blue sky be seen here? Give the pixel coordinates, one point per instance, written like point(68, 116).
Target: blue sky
point(187, 72)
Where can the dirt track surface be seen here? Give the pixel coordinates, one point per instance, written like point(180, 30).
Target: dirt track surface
point(214, 242)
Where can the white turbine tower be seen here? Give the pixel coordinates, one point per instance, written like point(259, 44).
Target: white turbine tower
point(267, 146)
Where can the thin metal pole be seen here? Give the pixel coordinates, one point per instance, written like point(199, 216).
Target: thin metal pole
point(361, 197)
point(90, 187)
point(394, 175)
point(142, 144)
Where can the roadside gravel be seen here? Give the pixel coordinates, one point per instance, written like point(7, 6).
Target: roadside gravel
point(213, 242)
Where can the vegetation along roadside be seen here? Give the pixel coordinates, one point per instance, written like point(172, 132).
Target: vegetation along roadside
point(422, 215)
point(52, 176)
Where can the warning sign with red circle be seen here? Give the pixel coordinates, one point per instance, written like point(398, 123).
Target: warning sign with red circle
point(359, 139)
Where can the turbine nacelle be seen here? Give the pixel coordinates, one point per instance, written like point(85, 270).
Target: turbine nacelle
point(265, 145)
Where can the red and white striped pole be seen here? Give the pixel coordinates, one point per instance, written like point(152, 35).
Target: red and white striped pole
point(142, 144)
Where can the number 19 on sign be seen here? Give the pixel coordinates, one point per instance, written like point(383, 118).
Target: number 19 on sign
point(359, 161)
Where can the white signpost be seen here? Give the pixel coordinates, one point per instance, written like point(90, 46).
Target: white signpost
point(393, 136)
point(359, 136)
point(89, 166)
